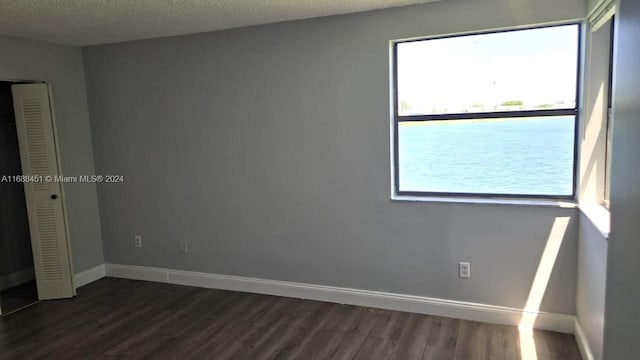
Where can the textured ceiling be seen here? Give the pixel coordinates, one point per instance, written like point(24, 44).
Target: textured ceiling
point(88, 22)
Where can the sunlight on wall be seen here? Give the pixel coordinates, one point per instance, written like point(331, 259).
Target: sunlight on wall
point(539, 286)
point(592, 153)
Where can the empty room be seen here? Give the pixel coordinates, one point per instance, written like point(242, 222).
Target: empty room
point(339, 179)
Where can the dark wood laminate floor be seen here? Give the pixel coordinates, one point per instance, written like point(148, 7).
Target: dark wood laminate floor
point(126, 319)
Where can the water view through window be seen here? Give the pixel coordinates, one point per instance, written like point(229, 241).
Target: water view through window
point(528, 156)
point(488, 113)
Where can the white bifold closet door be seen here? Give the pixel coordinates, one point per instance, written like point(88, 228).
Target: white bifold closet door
point(47, 224)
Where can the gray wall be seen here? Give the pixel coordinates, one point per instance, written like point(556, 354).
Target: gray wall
point(267, 148)
point(62, 67)
point(590, 291)
point(622, 315)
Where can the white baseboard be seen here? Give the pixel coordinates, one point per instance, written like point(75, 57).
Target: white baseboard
point(16, 278)
point(583, 343)
point(137, 273)
point(410, 303)
point(88, 276)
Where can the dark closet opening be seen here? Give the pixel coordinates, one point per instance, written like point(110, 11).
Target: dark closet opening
point(17, 278)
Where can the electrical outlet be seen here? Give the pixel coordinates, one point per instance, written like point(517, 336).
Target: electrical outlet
point(464, 269)
point(184, 248)
point(138, 241)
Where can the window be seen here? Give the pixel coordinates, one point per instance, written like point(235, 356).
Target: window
point(490, 114)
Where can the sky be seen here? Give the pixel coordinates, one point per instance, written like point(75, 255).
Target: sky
point(537, 67)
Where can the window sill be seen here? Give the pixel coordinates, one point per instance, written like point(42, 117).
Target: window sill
point(599, 216)
point(491, 201)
